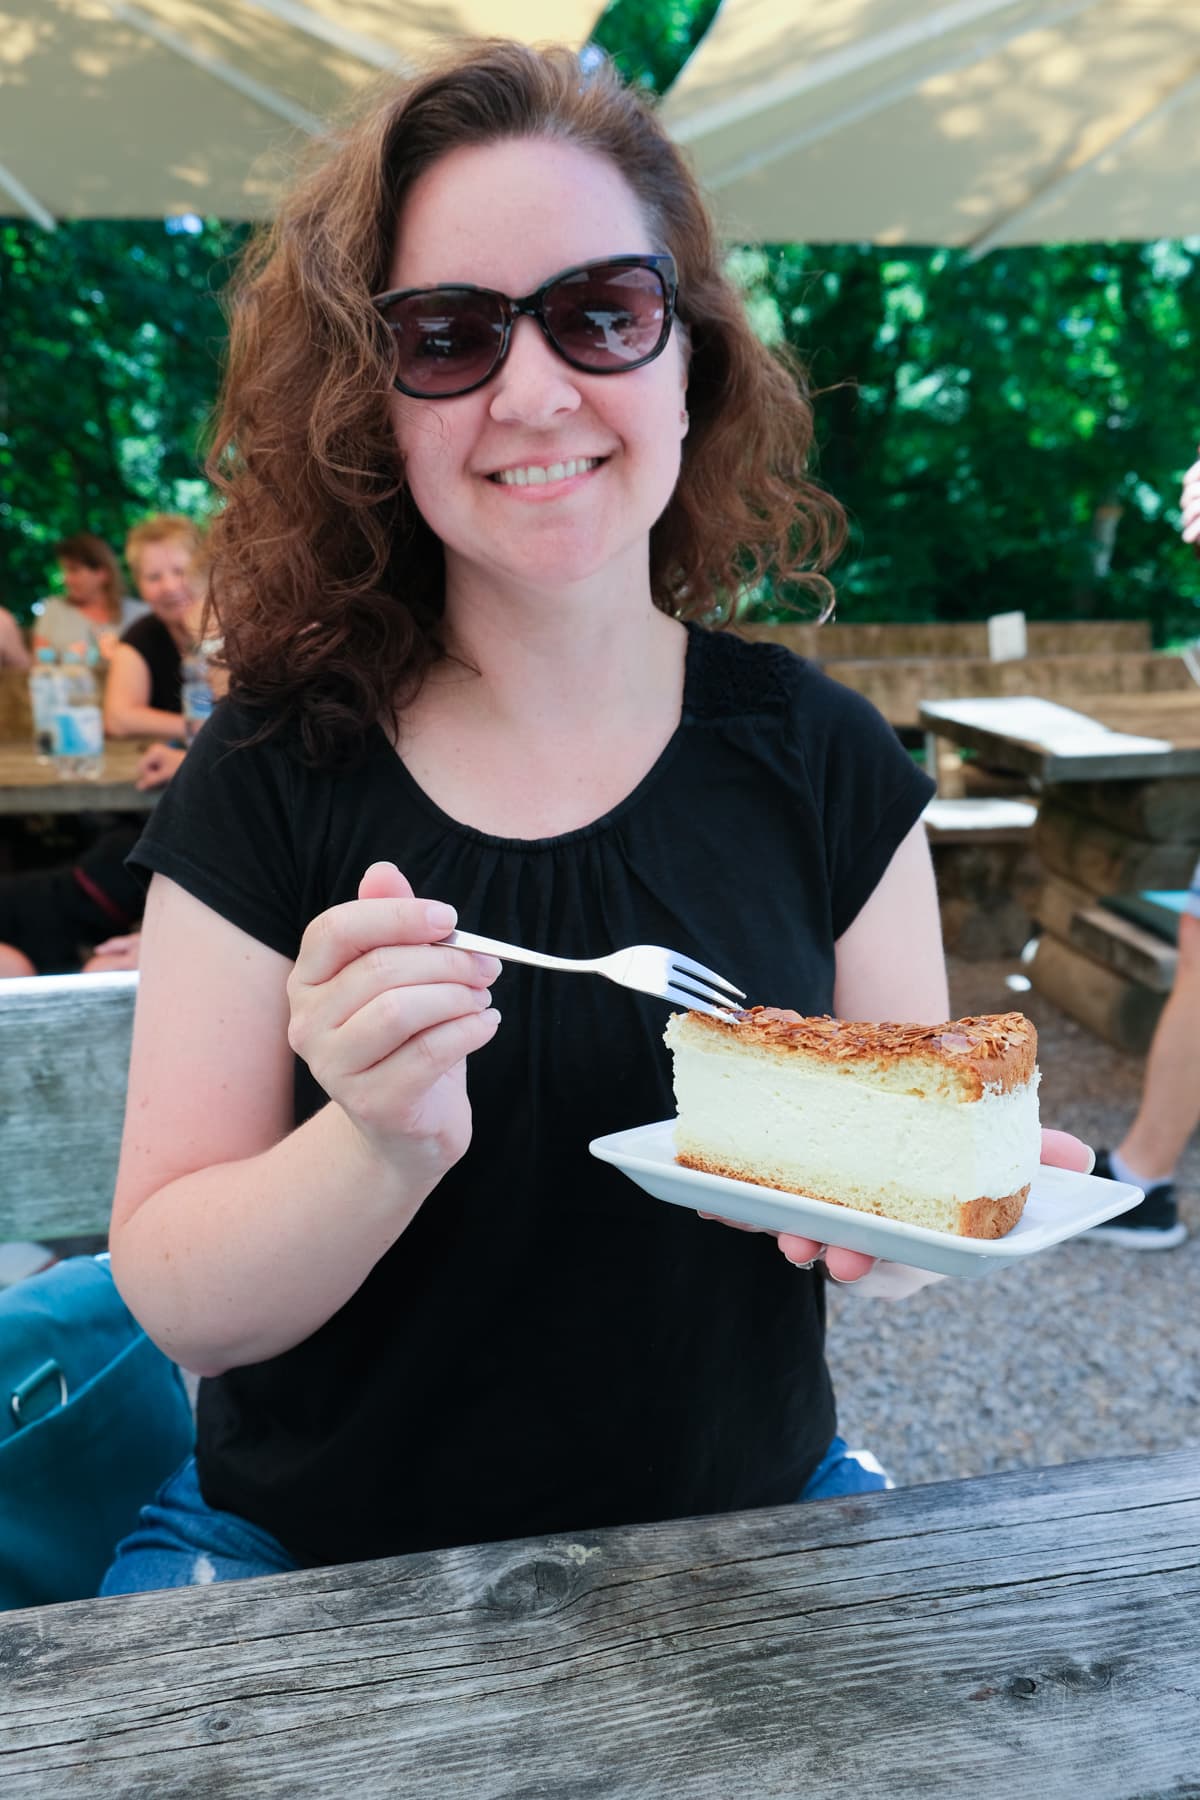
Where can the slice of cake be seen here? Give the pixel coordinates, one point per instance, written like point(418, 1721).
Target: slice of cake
point(933, 1124)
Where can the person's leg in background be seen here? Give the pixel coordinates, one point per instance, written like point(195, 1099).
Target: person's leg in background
point(1170, 1108)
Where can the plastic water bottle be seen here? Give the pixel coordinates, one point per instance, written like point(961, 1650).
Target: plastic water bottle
point(197, 686)
point(43, 702)
point(78, 721)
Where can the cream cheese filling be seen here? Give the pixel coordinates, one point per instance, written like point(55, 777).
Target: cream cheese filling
point(833, 1132)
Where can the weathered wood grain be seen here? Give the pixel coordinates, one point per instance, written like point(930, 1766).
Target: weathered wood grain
point(998, 728)
point(64, 1050)
point(1128, 948)
point(1056, 903)
point(1079, 637)
point(1165, 812)
point(1121, 1011)
point(1001, 1638)
point(899, 686)
point(27, 786)
point(1073, 844)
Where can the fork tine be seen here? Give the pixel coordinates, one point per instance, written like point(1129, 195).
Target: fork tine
point(683, 965)
point(695, 1003)
point(697, 990)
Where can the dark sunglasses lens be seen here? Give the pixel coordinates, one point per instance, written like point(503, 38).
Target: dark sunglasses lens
point(446, 340)
point(608, 317)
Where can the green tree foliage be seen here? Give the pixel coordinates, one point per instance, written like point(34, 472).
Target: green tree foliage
point(1007, 433)
point(650, 40)
point(109, 354)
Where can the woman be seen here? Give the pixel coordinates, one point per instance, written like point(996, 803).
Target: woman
point(143, 696)
point(453, 570)
point(92, 612)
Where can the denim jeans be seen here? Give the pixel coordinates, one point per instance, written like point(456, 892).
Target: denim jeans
point(179, 1541)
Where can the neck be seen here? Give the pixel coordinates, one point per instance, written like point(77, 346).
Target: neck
point(557, 655)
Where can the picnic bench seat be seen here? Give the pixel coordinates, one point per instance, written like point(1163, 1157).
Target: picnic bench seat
point(64, 1049)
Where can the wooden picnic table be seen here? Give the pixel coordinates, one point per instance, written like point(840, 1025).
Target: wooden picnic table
point(1002, 1638)
point(28, 786)
point(1135, 737)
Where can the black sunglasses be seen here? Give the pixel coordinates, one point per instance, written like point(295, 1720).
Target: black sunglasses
point(602, 317)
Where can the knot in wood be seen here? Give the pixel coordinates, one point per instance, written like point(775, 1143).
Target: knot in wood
point(541, 1585)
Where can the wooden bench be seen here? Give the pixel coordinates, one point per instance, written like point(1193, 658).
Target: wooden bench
point(1070, 637)
point(890, 668)
point(64, 1049)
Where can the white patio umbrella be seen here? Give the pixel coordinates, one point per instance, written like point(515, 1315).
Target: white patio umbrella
point(969, 122)
point(110, 110)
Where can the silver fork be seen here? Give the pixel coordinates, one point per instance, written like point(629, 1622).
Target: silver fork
point(646, 967)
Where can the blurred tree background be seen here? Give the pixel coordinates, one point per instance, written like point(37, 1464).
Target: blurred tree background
point(1005, 434)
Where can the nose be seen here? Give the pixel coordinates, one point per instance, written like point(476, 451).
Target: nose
point(535, 386)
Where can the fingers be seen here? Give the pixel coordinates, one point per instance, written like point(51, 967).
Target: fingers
point(1062, 1151)
point(156, 766)
point(384, 881)
point(390, 1022)
point(400, 967)
point(335, 938)
point(841, 1265)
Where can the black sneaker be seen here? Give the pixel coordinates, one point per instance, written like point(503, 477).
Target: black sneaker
point(1153, 1224)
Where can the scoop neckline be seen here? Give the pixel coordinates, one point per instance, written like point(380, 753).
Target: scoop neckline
point(580, 833)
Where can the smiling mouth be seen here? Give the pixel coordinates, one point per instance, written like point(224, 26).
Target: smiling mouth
point(538, 474)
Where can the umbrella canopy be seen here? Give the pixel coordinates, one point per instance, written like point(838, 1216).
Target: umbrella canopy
point(110, 110)
point(970, 122)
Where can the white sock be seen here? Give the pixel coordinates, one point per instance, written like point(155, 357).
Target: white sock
point(1122, 1171)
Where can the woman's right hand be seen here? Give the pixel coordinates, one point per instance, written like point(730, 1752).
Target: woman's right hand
point(385, 1016)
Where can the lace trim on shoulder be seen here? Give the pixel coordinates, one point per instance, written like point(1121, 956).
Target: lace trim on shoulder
point(729, 677)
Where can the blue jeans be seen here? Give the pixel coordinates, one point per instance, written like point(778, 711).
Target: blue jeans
point(180, 1541)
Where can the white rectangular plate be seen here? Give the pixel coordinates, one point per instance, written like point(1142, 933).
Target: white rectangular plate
point(1060, 1206)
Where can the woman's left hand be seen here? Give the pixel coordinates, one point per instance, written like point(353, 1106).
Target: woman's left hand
point(1059, 1150)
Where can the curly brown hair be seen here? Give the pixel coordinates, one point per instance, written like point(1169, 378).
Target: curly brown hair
point(327, 580)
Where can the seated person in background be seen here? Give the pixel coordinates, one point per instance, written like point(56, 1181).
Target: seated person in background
point(48, 917)
point(13, 654)
point(93, 610)
point(144, 693)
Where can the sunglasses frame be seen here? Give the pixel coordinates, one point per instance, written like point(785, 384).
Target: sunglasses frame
point(532, 306)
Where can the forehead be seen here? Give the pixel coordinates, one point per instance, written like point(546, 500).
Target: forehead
point(164, 551)
point(511, 214)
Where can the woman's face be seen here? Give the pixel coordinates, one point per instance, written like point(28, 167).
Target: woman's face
point(509, 215)
point(165, 579)
point(84, 586)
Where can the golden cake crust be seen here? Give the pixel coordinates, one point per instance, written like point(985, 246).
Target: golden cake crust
point(992, 1052)
point(979, 1218)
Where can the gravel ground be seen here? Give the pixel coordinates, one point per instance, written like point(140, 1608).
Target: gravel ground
point(1087, 1351)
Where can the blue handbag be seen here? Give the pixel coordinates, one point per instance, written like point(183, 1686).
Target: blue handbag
point(93, 1418)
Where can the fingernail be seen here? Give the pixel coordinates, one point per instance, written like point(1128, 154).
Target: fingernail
point(490, 967)
point(439, 917)
point(1091, 1162)
point(807, 1265)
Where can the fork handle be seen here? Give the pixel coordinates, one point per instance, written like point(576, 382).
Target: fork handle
point(469, 940)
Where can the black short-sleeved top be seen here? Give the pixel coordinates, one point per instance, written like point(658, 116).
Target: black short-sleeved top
point(158, 650)
point(546, 1347)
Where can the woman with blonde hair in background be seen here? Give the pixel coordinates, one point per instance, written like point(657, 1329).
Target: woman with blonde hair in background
point(144, 693)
